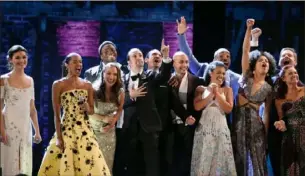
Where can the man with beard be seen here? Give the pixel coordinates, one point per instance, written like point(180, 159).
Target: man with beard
point(166, 101)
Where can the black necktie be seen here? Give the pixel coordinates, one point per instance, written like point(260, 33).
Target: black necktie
point(135, 77)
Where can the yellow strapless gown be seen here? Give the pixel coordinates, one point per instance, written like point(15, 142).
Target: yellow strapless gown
point(82, 155)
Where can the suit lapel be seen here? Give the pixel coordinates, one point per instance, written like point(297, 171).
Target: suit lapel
point(190, 81)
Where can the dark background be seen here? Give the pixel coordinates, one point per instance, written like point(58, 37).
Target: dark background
point(139, 24)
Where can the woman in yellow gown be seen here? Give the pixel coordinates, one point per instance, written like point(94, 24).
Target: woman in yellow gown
point(73, 150)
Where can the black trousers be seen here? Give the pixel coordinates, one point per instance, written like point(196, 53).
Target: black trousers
point(183, 147)
point(166, 142)
point(147, 144)
point(120, 156)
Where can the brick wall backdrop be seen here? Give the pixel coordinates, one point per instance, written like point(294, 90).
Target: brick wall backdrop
point(170, 36)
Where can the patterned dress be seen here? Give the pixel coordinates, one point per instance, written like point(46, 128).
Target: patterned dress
point(106, 140)
point(212, 151)
point(293, 143)
point(248, 132)
point(16, 157)
point(82, 155)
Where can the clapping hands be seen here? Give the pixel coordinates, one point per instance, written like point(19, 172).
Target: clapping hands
point(280, 125)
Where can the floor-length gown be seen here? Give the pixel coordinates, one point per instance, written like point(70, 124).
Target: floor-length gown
point(106, 140)
point(16, 157)
point(248, 132)
point(212, 151)
point(293, 143)
point(82, 156)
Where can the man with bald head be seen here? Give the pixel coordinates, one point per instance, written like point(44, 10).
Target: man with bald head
point(184, 134)
point(166, 100)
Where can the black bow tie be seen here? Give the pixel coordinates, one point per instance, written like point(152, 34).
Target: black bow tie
point(135, 77)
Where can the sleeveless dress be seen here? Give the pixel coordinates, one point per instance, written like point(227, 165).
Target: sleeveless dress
point(16, 158)
point(82, 155)
point(293, 142)
point(106, 140)
point(212, 151)
point(248, 132)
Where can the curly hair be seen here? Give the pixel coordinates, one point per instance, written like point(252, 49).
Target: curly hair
point(211, 67)
point(254, 56)
point(100, 94)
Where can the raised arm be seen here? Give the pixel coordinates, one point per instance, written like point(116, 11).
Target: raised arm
point(184, 46)
point(246, 47)
point(165, 70)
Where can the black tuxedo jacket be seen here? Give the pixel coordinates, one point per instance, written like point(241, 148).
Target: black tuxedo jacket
point(144, 109)
point(193, 83)
point(167, 100)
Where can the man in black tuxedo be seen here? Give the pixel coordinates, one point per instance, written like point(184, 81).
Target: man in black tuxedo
point(141, 117)
point(166, 100)
point(183, 133)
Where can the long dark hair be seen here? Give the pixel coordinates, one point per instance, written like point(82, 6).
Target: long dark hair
point(281, 87)
point(64, 70)
point(100, 94)
point(211, 67)
point(10, 53)
point(254, 56)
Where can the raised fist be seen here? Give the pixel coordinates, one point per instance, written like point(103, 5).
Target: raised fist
point(256, 32)
point(250, 23)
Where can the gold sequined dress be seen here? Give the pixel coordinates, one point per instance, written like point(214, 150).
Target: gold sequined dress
point(106, 139)
point(82, 156)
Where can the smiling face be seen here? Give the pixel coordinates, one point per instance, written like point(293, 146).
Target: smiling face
point(74, 65)
point(218, 75)
point(19, 60)
point(110, 75)
point(136, 60)
point(290, 76)
point(181, 63)
point(262, 65)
